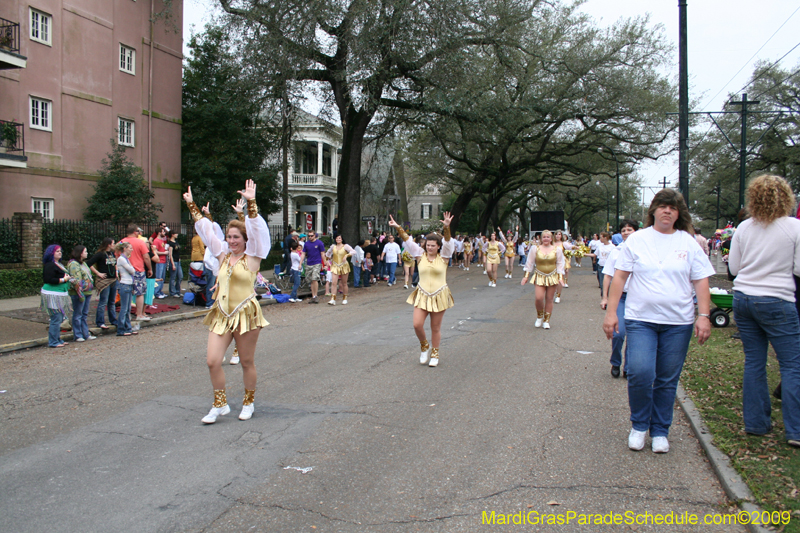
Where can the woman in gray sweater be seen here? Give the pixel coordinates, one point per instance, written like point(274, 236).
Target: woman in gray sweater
point(765, 253)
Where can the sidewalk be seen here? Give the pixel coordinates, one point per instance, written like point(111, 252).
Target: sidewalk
point(24, 325)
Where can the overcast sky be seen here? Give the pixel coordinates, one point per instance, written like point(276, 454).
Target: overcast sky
point(726, 38)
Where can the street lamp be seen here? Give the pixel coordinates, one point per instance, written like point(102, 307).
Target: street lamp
point(608, 204)
point(614, 154)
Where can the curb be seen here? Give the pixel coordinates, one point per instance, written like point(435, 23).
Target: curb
point(733, 484)
point(154, 321)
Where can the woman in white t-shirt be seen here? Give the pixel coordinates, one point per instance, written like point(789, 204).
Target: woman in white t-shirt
point(664, 263)
point(765, 252)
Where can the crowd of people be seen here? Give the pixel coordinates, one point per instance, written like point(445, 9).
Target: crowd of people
point(653, 283)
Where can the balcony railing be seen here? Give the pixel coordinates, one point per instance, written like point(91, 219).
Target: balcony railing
point(313, 180)
point(12, 144)
point(9, 36)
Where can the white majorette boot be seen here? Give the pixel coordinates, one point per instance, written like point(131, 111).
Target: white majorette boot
point(546, 323)
point(247, 405)
point(425, 352)
point(434, 357)
point(539, 319)
point(220, 407)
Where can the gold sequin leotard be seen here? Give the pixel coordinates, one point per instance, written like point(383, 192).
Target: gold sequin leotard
point(236, 306)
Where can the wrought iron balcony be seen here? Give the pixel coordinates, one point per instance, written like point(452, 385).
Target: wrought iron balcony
point(12, 145)
point(312, 180)
point(9, 46)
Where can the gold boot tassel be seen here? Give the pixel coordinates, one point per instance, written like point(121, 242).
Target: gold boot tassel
point(220, 398)
point(249, 396)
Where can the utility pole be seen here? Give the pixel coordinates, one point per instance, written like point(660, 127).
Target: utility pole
point(683, 103)
point(743, 150)
point(663, 183)
point(717, 190)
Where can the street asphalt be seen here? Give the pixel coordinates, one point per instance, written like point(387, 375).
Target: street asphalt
point(106, 435)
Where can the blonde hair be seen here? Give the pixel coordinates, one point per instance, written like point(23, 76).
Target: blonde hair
point(769, 198)
point(549, 233)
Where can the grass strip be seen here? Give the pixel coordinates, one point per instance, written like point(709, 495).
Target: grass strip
point(712, 376)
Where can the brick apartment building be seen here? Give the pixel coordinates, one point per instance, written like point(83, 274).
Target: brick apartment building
point(74, 74)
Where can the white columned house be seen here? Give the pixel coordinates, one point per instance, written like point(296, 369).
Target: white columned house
point(313, 172)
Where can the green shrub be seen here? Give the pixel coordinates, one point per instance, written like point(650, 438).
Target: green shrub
point(18, 283)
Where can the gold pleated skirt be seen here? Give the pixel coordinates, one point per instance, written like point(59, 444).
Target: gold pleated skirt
point(545, 280)
point(493, 259)
point(340, 270)
point(433, 304)
point(249, 317)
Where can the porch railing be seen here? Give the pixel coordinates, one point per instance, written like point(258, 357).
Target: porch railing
point(12, 137)
point(9, 36)
point(313, 180)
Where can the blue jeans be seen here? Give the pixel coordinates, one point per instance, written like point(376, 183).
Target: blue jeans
point(107, 300)
point(356, 275)
point(211, 279)
point(54, 330)
point(295, 283)
point(600, 277)
point(763, 320)
point(80, 314)
point(415, 277)
point(125, 297)
point(161, 273)
point(618, 340)
point(390, 267)
point(175, 278)
point(381, 270)
point(656, 353)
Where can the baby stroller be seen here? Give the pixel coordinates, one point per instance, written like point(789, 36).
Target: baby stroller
point(196, 295)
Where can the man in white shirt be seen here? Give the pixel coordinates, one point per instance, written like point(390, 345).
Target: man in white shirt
point(593, 244)
point(460, 251)
point(602, 251)
point(390, 255)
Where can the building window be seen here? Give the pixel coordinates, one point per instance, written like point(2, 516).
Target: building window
point(41, 114)
point(40, 27)
point(440, 209)
point(126, 133)
point(426, 212)
point(43, 206)
point(127, 59)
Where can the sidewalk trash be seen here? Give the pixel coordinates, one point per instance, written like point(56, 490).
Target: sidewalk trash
point(302, 470)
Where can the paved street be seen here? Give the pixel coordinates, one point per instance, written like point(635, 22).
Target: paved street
point(106, 436)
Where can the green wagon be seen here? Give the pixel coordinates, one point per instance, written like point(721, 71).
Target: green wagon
point(720, 315)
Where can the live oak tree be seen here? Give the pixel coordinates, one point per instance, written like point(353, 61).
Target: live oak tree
point(363, 56)
point(121, 195)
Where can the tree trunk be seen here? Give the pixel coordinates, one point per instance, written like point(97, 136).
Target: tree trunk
point(460, 205)
point(348, 188)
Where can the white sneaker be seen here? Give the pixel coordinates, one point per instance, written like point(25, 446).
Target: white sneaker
point(212, 415)
point(405, 286)
point(92, 337)
point(145, 318)
point(235, 360)
point(424, 356)
point(331, 302)
point(247, 411)
point(660, 445)
point(545, 325)
point(509, 276)
point(557, 300)
point(566, 286)
point(538, 322)
point(484, 272)
point(434, 361)
point(344, 302)
point(80, 339)
point(636, 440)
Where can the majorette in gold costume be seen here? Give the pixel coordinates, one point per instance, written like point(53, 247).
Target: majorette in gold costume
point(432, 294)
point(547, 272)
point(511, 250)
point(564, 245)
point(236, 313)
point(492, 250)
point(340, 268)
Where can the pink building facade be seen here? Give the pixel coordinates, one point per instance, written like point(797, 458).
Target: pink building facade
point(85, 71)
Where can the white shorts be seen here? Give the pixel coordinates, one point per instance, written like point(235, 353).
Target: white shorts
point(328, 276)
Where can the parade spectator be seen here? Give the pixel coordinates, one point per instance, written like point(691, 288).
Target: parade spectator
point(161, 226)
point(287, 250)
point(140, 259)
point(335, 227)
point(664, 263)
point(368, 264)
point(81, 293)
point(764, 257)
point(125, 275)
point(160, 254)
point(55, 293)
point(379, 270)
point(296, 257)
point(357, 259)
point(390, 256)
point(627, 229)
point(103, 266)
point(373, 251)
point(702, 241)
point(198, 249)
point(175, 270)
point(314, 251)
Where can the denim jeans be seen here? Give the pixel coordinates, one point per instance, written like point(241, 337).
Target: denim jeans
point(80, 314)
point(107, 300)
point(295, 283)
point(655, 355)
point(211, 279)
point(356, 275)
point(763, 320)
point(391, 267)
point(124, 319)
point(415, 276)
point(161, 273)
point(600, 277)
point(618, 340)
point(54, 331)
point(381, 270)
point(175, 278)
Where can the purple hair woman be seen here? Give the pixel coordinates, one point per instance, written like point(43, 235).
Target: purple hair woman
point(55, 298)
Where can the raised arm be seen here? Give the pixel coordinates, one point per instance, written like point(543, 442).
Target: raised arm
point(502, 235)
point(258, 237)
point(413, 248)
point(448, 244)
point(205, 227)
